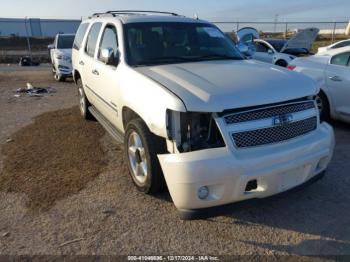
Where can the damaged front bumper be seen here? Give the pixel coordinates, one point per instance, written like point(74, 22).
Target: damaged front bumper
point(227, 173)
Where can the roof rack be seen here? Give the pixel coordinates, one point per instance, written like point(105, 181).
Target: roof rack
point(131, 12)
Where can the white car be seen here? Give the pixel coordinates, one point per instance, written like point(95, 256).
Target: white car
point(275, 51)
point(332, 72)
point(265, 52)
point(336, 45)
point(193, 114)
point(61, 56)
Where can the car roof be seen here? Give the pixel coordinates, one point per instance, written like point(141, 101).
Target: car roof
point(335, 51)
point(146, 18)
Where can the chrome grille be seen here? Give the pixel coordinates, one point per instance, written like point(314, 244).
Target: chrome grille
point(268, 112)
point(274, 134)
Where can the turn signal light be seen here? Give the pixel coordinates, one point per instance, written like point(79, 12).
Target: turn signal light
point(291, 67)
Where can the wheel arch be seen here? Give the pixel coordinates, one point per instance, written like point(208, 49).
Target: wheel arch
point(76, 76)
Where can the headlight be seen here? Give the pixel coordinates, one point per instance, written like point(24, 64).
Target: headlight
point(193, 131)
point(63, 57)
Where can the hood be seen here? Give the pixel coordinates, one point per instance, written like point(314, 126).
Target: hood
point(303, 40)
point(65, 52)
point(214, 86)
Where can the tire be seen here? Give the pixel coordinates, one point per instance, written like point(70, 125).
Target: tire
point(59, 78)
point(84, 103)
point(282, 63)
point(141, 149)
point(323, 106)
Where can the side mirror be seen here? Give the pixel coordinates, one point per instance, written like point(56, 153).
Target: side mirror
point(51, 46)
point(270, 52)
point(110, 56)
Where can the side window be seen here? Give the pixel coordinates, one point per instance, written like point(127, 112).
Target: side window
point(109, 40)
point(92, 39)
point(79, 37)
point(261, 48)
point(342, 44)
point(341, 59)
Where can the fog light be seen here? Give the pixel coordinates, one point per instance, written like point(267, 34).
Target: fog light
point(322, 164)
point(203, 192)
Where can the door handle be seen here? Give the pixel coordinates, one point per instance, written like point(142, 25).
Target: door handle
point(335, 78)
point(95, 72)
point(81, 63)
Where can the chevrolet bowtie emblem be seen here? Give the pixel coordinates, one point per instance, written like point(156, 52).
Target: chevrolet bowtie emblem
point(283, 120)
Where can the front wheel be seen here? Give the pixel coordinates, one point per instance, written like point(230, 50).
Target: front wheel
point(323, 106)
point(282, 63)
point(83, 102)
point(59, 78)
point(141, 149)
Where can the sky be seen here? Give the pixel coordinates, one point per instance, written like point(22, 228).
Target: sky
point(213, 10)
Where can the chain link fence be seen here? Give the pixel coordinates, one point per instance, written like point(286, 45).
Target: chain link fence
point(16, 38)
point(30, 37)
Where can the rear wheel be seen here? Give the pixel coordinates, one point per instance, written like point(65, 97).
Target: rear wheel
point(141, 149)
point(323, 106)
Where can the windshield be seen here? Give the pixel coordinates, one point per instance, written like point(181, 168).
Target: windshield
point(277, 44)
point(65, 42)
point(164, 43)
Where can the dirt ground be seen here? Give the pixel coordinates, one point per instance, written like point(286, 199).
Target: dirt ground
point(95, 203)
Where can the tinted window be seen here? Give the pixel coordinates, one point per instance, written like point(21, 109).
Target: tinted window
point(91, 41)
point(343, 44)
point(261, 48)
point(162, 43)
point(65, 42)
point(341, 59)
point(109, 40)
point(80, 36)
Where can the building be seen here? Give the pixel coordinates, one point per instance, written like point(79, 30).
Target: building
point(35, 27)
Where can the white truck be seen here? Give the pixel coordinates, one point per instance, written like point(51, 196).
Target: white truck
point(193, 114)
point(61, 56)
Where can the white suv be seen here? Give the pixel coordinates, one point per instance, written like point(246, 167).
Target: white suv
point(61, 56)
point(190, 109)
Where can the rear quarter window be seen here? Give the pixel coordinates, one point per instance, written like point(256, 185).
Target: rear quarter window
point(79, 37)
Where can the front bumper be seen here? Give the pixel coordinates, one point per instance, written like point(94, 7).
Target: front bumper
point(63, 68)
point(226, 172)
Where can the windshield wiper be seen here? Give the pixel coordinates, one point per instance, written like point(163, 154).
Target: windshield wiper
point(165, 59)
point(218, 57)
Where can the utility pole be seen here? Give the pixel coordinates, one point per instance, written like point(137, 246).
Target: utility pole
point(28, 40)
point(276, 21)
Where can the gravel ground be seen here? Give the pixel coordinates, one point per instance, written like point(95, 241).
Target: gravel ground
point(109, 216)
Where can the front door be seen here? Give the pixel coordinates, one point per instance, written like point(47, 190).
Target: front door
point(338, 82)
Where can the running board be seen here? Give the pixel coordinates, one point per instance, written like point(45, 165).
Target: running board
point(114, 132)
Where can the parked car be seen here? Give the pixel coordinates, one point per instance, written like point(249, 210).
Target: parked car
point(193, 114)
point(276, 51)
point(266, 52)
point(332, 72)
point(61, 56)
point(336, 45)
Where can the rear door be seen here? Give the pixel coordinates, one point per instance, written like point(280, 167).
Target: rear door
point(338, 82)
point(87, 62)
